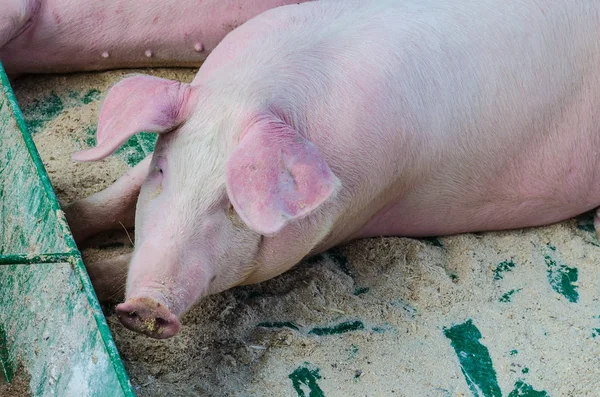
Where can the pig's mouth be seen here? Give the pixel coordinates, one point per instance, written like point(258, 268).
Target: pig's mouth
point(149, 317)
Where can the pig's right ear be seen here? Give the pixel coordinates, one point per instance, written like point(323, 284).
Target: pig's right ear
point(138, 104)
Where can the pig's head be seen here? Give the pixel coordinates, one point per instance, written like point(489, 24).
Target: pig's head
point(220, 179)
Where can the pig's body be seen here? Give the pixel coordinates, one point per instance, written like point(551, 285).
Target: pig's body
point(433, 118)
point(438, 117)
point(49, 36)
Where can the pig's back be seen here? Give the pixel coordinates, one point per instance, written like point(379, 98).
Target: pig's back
point(502, 105)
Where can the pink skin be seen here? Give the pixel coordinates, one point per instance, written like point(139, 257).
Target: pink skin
point(42, 36)
point(373, 123)
point(108, 277)
point(111, 208)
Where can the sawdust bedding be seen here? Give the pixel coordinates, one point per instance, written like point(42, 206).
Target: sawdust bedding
point(18, 386)
point(511, 313)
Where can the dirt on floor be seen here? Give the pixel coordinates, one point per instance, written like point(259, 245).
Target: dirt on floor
point(487, 314)
point(18, 386)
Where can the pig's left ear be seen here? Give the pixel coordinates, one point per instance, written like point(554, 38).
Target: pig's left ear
point(275, 176)
point(138, 104)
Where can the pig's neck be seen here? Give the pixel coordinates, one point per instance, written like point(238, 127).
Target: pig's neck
point(338, 220)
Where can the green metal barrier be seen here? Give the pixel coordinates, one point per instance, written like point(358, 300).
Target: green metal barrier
point(51, 324)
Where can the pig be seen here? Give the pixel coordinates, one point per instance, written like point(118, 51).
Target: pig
point(50, 36)
point(316, 124)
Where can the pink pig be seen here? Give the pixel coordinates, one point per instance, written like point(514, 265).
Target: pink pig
point(312, 125)
point(41, 36)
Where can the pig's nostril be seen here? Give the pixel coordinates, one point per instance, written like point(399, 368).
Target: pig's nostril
point(149, 317)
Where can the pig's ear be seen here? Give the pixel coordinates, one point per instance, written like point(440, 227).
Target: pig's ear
point(275, 176)
point(138, 104)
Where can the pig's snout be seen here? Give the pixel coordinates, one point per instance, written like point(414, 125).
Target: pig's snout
point(149, 317)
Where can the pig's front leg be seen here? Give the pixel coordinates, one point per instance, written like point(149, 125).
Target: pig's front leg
point(111, 208)
point(109, 276)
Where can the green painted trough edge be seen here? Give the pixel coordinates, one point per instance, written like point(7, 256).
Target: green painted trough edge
point(73, 256)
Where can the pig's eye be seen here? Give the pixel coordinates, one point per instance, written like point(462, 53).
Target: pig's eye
point(159, 165)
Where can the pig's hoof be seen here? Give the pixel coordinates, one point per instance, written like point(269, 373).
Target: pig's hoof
point(149, 317)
